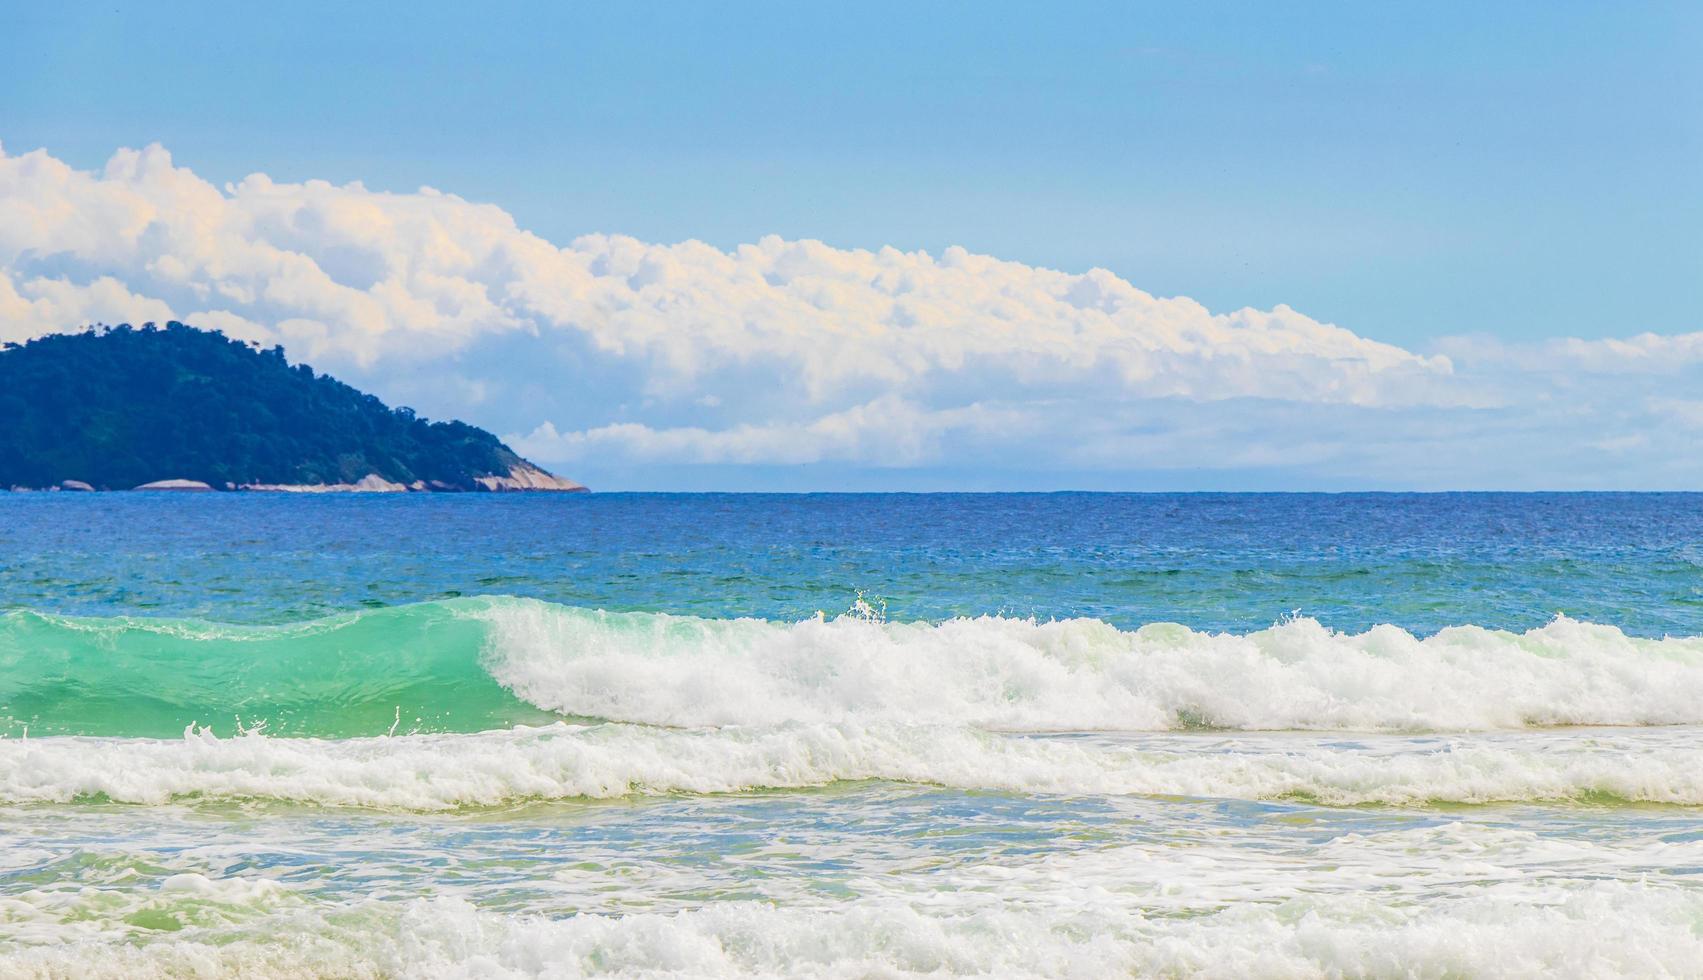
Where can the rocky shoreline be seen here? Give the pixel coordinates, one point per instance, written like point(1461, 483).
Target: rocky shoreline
point(522, 478)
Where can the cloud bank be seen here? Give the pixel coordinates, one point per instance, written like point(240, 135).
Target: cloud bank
point(782, 352)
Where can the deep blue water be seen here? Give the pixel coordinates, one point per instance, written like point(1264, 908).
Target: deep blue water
point(1211, 561)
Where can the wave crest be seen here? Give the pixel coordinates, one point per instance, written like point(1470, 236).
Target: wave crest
point(1085, 675)
point(470, 665)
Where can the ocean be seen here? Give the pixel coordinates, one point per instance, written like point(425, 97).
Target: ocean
point(996, 735)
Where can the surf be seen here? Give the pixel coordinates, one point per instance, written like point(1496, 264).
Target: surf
point(619, 761)
point(483, 663)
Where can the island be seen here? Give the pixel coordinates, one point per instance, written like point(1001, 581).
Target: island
point(176, 408)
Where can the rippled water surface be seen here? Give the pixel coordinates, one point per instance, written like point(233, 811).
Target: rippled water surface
point(861, 735)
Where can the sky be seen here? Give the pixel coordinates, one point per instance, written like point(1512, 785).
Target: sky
point(907, 246)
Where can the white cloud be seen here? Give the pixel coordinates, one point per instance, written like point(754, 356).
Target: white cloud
point(1644, 353)
point(348, 272)
point(39, 306)
point(1684, 412)
point(888, 431)
point(795, 352)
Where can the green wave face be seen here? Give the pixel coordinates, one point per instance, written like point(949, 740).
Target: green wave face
point(417, 668)
point(493, 662)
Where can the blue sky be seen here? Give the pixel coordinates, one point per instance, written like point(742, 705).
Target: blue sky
point(1478, 182)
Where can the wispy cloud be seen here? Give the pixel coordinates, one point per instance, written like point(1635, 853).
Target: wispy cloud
point(888, 431)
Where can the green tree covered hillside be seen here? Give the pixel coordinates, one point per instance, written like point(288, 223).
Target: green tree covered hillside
point(121, 406)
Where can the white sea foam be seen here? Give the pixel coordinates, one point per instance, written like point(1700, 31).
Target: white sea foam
point(1521, 895)
point(1085, 675)
point(429, 772)
point(1061, 926)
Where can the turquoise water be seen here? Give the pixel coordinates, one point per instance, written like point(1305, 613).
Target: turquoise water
point(861, 735)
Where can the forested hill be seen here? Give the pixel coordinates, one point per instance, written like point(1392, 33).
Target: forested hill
point(123, 406)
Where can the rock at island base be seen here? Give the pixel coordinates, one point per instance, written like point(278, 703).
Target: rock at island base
point(190, 486)
point(526, 477)
point(523, 478)
point(371, 483)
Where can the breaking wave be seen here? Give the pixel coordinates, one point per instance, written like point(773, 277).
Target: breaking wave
point(557, 762)
point(470, 665)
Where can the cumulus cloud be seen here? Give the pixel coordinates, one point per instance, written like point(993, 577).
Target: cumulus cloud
point(43, 306)
point(342, 270)
point(781, 352)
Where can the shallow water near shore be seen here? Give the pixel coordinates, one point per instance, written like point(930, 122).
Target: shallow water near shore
point(945, 735)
